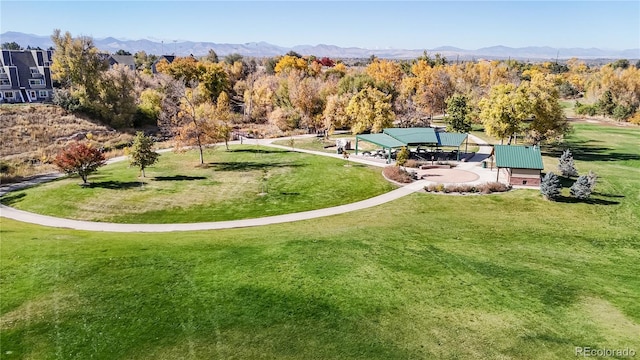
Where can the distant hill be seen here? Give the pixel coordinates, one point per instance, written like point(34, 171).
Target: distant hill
point(263, 49)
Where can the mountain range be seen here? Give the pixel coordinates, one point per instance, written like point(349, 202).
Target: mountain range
point(263, 49)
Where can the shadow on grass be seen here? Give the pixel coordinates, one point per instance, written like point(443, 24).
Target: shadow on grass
point(566, 182)
point(290, 193)
point(178, 178)
point(587, 150)
point(116, 185)
point(591, 201)
point(607, 195)
point(250, 165)
point(11, 199)
point(259, 151)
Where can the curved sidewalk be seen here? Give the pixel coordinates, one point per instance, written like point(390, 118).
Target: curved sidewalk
point(24, 216)
point(44, 220)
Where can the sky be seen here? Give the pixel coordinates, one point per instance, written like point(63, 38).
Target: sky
point(367, 24)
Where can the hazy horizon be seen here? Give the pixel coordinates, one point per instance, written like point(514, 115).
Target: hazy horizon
point(364, 24)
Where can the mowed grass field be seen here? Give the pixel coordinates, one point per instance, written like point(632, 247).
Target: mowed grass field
point(505, 276)
point(246, 182)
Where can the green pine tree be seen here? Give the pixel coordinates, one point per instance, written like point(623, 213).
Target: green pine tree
point(566, 165)
point(550, 186)
point(141, 153)
point(402, 156)
point(581, 189)
point(457, 118)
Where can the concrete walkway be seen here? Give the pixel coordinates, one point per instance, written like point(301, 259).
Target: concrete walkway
point(32, 218)
point(475, 163)
point(24, 216)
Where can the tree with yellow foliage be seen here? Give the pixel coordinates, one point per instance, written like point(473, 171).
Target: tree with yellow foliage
point(223, 116)
point(210, 78)
point(548, 119)
point(504, 111)
point(288, 63)
point(182, 68)
point(78, 66)
point(370, 110)
point(385, 71)
point(335, 115)
point(430, 87)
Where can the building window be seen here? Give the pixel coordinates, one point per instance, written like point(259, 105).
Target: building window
point(524, 182)
point(43, 94)
point(5, 82)
point(35, 82)
point(2, 70)
point(32, 94)
point(34, 71)
point(8, 94)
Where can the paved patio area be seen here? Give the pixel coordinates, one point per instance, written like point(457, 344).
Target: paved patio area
point(447, 175)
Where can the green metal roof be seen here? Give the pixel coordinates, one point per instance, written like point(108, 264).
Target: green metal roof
point(383, 140)
point(450, 139)
point(398, 137)
point(413, 136)
point(518, 157)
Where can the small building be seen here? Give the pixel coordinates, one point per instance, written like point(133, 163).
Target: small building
point(122, 60)
point(522, 164)
point(168, 58)
point(25, 76)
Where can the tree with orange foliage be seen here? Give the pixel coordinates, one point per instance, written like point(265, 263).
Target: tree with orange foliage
point(79, 158)
point(430, 87)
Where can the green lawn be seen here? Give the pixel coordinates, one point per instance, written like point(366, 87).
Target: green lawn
point(613, 153)
point(315, 144)
point(505, 276)
point(318, 144)
point(230, 187)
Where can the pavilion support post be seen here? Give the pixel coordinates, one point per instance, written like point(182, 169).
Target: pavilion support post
point(356, 146)
point(466, 144)
point(389, 156)
point(498, 175)
point(458, 153)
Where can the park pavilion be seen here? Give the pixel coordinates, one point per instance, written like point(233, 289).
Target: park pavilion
point(393, 138)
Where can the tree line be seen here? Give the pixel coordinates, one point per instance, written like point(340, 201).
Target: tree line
point(199, 100)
